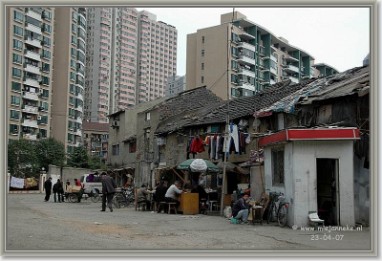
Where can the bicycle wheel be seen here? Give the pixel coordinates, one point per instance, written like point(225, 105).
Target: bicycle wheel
point(117, 201)
point(282, 215)
point(95, 198)
point(73, 198)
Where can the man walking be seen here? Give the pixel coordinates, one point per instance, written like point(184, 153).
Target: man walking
point(48, 188)
point(108, 190)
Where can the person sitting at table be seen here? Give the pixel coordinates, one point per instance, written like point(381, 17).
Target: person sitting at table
point(142, 196)
point(173, 192)
point(240, 209)
point(160, 192)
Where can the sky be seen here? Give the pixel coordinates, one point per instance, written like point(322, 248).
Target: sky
point(339, 37)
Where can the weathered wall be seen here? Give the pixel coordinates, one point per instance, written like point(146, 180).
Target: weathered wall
point(300, 185)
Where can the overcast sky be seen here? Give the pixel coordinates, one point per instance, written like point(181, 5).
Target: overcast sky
point(339, 37)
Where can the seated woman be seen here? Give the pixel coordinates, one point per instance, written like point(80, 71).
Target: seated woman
point(240, 209)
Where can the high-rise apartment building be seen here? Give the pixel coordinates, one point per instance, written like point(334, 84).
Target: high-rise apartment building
point(324, 69)
point(175, 85)
point(68, 76)
point(130, 57)
point(29, 72)
point(239, 58)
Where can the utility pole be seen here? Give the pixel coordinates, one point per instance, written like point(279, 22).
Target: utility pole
point(226, 133)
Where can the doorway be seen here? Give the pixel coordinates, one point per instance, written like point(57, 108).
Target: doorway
point(328, 191)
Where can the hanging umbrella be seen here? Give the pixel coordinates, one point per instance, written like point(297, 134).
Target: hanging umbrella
point(198, 165)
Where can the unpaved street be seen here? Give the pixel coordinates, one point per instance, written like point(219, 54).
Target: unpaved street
point(33, 224)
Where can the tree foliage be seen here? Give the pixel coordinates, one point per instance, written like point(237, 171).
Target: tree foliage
point(50, 151)
point(26, 158)
point(79, 158)
point(21, 157)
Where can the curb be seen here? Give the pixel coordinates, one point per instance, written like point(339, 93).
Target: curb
point(24, 192)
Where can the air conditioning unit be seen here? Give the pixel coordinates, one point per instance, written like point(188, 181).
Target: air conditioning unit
point(39, 118)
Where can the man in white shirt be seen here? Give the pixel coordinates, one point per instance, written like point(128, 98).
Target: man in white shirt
point(173, 193)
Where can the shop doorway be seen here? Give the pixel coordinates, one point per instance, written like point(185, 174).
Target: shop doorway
point(328, 191)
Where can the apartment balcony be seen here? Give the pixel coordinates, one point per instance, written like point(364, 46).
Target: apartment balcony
point(30, 109)
point(272, 81)
point(79, 108)
point(273, 71)
point(78, 132)
point(291, 58)
point(32, 69)
point(32, 82)
point(79, 120)
point(80, 96)
point(33, 14)
point(273, 58)
point(30, 96)
point(246, 85)
point(32, 55)
point(247, 72)
point(30, 123)
point(292, 68)
point(247, 46)
point(293, 79)
point(33, 28)
point(33, 42)
point(246, 60)
point(244, 35)
point(262, 79)
point(29, 136)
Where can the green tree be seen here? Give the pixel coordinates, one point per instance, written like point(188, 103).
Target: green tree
point(22, 159)
point(79, 158)
point(50, 151)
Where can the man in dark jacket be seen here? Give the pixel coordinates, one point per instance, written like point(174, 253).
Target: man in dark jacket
point(160, 192)
point(240, 208)
point(108, 190)
point(48, 188)
point(57, 188)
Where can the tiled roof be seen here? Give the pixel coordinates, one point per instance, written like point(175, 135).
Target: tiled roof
point(95, 126)
point(352, 81)
point(201, 107)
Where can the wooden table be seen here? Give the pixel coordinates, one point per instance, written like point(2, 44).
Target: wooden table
point(189, 203)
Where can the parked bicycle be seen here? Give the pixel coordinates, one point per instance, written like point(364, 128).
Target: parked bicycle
point(123, 198)
point(278, 209)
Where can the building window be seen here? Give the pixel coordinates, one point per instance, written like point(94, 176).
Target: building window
point(16, 72)
point(13, 129)
point(18, 30)
point(202, 66)
point(115, 150)
point(277, 166)
point(16, 86)
point(203, 39)
point(147, 116)
point(15, 100)
point(132, 147)
point(46, 54)
point(14, 115)
point(17, 58)
point(202, 79)
point(17, 44)
point(19, 17)
point(203, 53)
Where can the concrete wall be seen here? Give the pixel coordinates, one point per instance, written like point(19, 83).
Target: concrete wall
point(300, 184)
point(361, 192)
point(68, 173)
